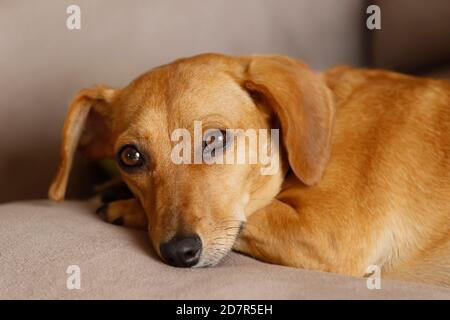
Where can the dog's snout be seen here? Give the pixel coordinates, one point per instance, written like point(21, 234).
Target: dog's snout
point(182, 251)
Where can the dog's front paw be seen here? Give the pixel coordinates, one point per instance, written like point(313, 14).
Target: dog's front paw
point(119, 207)
point(110, 215)
point(128, 213)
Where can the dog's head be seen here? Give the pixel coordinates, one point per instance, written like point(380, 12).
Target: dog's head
point(170, 133)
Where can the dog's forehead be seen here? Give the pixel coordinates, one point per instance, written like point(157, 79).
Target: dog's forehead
point(186, 92)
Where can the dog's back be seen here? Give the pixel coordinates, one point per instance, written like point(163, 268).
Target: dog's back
point(391, 150)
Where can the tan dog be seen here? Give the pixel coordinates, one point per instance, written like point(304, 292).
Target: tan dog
point(365, 178)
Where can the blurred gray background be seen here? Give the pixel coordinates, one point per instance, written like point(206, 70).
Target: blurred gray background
point(43, 64)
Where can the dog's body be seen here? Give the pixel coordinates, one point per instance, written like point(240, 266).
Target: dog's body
point(385, 197)
point(365, 178)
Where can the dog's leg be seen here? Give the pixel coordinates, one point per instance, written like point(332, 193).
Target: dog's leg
point(279, 234)
point(120, 207)
point(128, 213)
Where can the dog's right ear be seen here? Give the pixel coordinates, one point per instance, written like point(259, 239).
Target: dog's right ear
point(88, 127)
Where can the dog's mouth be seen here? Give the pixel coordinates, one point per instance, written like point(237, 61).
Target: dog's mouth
point(220, 246)
point(214, 254)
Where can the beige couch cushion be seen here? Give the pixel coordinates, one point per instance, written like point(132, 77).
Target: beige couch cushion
point(40, 239)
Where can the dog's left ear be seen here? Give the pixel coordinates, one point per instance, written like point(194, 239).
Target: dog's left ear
point(305, 109)
point(87, 127)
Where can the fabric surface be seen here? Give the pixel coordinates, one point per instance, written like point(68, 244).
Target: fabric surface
point(40, 239)
point(414, 35)
point(442, 72)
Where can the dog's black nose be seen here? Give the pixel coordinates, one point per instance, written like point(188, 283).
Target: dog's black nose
point(182, 251)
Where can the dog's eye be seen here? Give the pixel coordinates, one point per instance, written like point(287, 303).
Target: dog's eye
point(215, 141)
point(130, 157)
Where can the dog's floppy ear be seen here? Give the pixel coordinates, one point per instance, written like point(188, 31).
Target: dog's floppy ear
point(304, 107)
point(87, 126)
